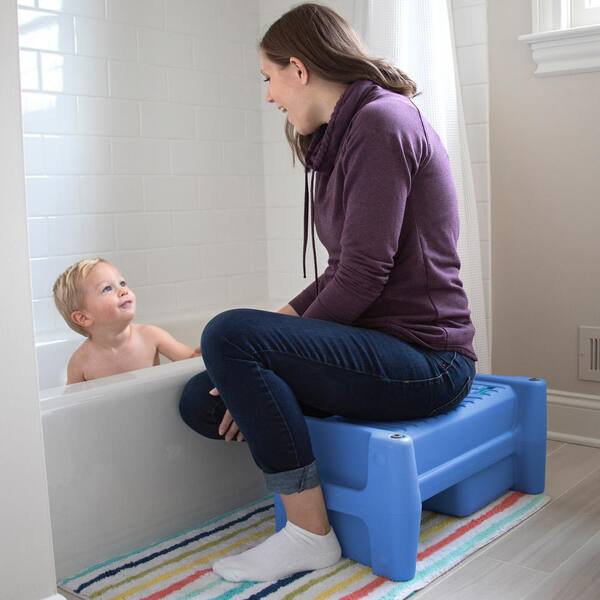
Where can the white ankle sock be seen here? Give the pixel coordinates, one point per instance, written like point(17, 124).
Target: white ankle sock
point(289, 551)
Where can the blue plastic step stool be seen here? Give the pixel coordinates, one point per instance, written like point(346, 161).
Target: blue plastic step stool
point(376, 476)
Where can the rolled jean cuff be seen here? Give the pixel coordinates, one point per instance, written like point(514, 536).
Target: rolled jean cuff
point(293, 481)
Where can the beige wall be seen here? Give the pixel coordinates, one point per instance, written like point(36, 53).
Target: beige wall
point(545, 186)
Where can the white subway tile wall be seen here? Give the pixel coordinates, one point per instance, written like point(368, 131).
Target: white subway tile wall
point(148, 139)
point(142, 123)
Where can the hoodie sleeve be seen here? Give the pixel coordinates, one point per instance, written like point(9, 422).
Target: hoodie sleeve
point(379, 161)
point(307, 296)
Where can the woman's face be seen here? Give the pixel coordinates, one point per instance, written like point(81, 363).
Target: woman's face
point(289, 90)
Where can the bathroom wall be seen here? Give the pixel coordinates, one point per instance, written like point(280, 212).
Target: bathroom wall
point(284, 185)
point(148, 141)
point(143, 144)
point(544, 153)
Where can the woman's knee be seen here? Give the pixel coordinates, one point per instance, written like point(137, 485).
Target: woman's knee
point(198, 408)
point(226, 326)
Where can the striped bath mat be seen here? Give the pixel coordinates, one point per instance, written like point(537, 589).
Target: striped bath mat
point(180, 566)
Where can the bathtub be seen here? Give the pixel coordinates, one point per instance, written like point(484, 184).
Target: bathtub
point(123, 469)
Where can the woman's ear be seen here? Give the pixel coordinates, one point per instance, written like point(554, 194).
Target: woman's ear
point(300, 69)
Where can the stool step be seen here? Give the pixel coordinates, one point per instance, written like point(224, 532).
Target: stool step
point(463, 467)
point(475, 492)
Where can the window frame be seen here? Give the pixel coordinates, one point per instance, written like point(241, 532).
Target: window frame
point(582, 16)
point(557, 47)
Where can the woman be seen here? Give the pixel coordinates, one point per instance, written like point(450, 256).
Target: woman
point(385, 332)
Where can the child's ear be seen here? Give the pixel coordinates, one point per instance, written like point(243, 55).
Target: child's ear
point(82, 319)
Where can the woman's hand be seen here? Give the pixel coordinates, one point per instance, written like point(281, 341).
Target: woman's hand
point(228, 426)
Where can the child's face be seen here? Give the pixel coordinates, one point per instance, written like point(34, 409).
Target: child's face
point(106, 298)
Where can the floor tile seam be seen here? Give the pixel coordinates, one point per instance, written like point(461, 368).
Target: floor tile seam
point(513, 531)
point(580, 549)
point(512, 564)
point(538, 571)
point(486, 549)
point(553, 499)
point(535, 590)
point(555, 449)
point(572, 557)
point(464, 563)
point(559, 565)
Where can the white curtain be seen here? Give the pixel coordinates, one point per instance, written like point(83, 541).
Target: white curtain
point(417, 36)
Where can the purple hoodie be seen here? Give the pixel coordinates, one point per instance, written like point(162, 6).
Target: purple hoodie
point(386, 211)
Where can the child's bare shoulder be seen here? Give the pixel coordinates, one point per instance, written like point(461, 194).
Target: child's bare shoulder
point(150, 334)
point(148, 331)
point(75, 371)
point(86, 353)
point(83, 350)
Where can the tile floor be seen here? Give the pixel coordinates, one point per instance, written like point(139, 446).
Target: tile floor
point(554, 555)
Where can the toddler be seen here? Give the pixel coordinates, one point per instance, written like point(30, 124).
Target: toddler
point(94, 300)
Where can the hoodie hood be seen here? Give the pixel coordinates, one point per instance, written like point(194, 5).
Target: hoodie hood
point(323, 150)
point(328, 138)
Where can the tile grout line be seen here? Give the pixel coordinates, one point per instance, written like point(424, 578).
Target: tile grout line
point(555, 498)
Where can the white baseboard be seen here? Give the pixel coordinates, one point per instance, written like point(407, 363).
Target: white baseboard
point(574, 418)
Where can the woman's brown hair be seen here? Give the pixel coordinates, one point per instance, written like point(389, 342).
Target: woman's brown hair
point(329, 47)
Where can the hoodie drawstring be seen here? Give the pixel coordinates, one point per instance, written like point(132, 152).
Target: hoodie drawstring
point(309, 204)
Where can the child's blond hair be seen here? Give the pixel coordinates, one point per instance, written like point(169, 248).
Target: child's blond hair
point(67, 290)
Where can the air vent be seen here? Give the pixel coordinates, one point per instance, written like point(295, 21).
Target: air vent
point(589, 353)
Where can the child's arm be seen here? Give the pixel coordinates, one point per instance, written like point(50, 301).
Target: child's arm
point(74, 370)
point(168, 346)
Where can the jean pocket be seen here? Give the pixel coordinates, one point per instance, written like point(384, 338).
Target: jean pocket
point(455, 401)
point(442, 360)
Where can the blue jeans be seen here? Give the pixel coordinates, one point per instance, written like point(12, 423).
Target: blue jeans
point(273, 369)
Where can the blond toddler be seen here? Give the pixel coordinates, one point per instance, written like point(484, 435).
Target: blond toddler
point(95, 301)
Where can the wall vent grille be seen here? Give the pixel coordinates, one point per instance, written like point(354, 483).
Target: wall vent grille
point(589, 353)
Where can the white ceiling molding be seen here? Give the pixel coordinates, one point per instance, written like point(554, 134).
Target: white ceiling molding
point(565, 51)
